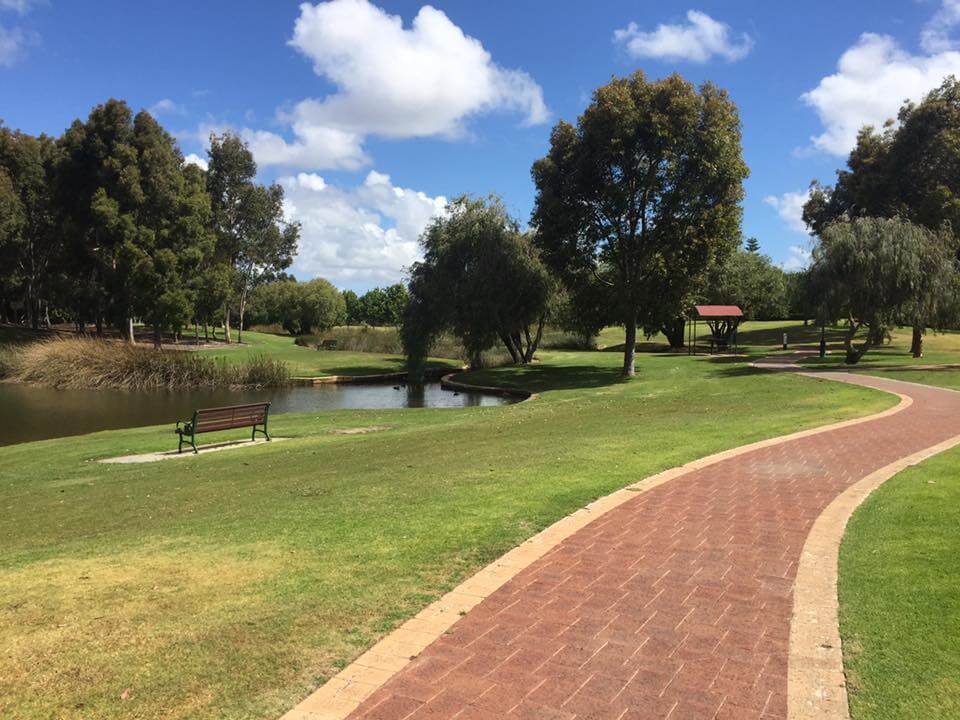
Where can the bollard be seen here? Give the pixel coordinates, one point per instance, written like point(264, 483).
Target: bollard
point(784, 341)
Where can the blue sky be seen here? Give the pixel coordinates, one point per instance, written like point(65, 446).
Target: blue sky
point(372, 114)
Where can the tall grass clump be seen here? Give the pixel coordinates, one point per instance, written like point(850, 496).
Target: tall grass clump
point(89, 363)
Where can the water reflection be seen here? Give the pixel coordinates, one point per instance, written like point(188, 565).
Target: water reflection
point(35, 413)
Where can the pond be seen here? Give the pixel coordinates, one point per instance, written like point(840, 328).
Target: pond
point(30, 412)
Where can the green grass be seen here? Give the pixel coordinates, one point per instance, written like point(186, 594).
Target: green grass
point(307, 362)
point(938, 349)
point(231, 584)
point(899, 599)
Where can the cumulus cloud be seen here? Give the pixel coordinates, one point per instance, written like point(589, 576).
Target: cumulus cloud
point(875, 77)
point(789, 207)
point(391, 81)
point(194, 159)
point(697, 40)
point(935, 37)
point(166, 106)
point(365, 234)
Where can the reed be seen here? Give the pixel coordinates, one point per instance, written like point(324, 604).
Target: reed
point(90, 363)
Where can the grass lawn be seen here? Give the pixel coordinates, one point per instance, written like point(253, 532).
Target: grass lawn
point(899, 599)
point(230, 585)
point(895, 362)
point(307, 362)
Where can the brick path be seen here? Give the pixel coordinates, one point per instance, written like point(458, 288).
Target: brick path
point(676, 604)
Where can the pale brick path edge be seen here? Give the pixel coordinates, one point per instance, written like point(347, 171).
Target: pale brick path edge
point(713, 596)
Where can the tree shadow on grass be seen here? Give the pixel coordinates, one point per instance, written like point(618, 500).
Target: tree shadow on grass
point(540, 378)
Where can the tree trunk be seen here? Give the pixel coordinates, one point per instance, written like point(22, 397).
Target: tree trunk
point(854, 353)
point(243, 307)
point(508, 343)
point(916, 346)
point(226, 324)
point(157, 338)
point(131, 338)
point(196, 331)
point(630, 347)
point(532, 346)
point(206, 331)
point(674, 331)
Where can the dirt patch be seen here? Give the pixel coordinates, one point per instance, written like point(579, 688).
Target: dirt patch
point(361, 430)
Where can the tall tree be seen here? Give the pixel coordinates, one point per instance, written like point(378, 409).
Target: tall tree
point(481, 279)
point(97, 187)
point(252, 237)
point(26, 164)
point(909, 169)
point(644, 193)
point(752, 245)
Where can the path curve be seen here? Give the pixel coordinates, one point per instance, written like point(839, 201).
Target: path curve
point(708, 591)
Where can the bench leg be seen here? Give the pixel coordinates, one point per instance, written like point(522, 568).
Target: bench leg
point(193, 442)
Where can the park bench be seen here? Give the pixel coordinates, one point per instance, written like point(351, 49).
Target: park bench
point(223, 418)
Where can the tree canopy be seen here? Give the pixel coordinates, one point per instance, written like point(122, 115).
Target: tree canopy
point(878, 272)
point(481, 279)
point(643, 195)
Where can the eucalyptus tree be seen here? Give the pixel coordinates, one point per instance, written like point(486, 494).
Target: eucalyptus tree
point(28, 238)
point(253, 239)
point(644, 194)
point(481, 279)
point(910, 169)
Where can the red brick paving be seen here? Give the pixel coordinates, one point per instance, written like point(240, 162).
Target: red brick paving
point(676, 604)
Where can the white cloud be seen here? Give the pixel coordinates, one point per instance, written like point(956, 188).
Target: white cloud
point(18, 6)
point(12, 44)
point(700, 39)
point(789, 207)
point(798, 259)
point(366, 234)
point(875, 77)
point(194, 159)
point(392, 81)
point(935, 37)
point(166, 107)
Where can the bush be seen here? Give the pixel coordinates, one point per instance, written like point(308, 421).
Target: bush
point(90, 363)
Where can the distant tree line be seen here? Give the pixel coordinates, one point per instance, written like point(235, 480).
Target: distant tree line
point(377, 307)
point(107, 226)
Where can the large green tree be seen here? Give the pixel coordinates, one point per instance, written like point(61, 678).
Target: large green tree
point(28, 238)
point(877, 272)
point(135, 220)
point(482, 279)
point(751, 281)
point(253, 239)
point(909, 169)
point(644, 194)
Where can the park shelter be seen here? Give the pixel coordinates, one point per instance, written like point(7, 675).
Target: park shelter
point(722, 320)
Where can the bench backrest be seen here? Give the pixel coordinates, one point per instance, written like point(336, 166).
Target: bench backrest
point(234, 416)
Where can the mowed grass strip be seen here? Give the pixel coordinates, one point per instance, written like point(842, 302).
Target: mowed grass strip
point(232, 584)
point(309, 362)
point(899, 599)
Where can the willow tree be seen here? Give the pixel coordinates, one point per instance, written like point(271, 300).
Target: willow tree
point(909, 168)
point(481, 279)
point(644, 194)
point(879, 272)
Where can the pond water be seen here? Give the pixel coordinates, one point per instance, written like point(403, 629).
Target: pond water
point(29, 412)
